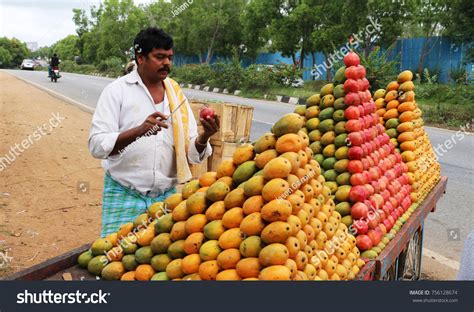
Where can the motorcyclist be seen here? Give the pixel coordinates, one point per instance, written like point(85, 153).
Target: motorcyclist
point(54, 63)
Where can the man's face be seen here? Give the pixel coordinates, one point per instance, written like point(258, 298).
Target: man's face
point(157, 64)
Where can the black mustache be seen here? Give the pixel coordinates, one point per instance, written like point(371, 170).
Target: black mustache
point(165, 69)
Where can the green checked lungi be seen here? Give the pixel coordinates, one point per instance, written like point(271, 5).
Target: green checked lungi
point(122, 205)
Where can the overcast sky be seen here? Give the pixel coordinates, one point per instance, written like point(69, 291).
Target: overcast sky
point(42, 21)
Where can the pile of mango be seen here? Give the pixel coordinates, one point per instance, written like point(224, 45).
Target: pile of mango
point(326, 128)
point(265, 214)
point(330, 180)
point(361, 167)
point(403, 120)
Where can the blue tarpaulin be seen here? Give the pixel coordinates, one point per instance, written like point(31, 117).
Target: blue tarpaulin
point(442, 56)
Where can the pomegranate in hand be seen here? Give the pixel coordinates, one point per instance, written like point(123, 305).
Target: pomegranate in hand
point(207, 113)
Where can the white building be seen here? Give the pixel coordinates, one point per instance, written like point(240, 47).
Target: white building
point(32, 46)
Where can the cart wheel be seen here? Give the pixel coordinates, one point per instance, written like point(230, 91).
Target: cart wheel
point(411, 269)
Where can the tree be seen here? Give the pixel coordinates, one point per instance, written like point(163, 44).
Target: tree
point(66, 48)
point(216, 28)
point(82, 23)
point(81, 20)
point(283, 37)
point(159, 14)
point(5, 57)
point(426, 22)
point(330, 32)
point(200, 38)
point(304, 22)
point(90, 47)
point(43, 53)
point(285, 30)
point(108, 30)
point(118, 25)
point(286, 25)
point(462, 12)
point(87, 31)
point(17, 50)
point(377, 23)
point(256, 18)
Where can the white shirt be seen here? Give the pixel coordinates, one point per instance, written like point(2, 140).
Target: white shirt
point(148, 165)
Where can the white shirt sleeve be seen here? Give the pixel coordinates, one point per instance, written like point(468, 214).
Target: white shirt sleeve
point(194, 157)
point(105, 123)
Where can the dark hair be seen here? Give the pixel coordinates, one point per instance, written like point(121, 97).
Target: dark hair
point(151, 38)
point(55, 54)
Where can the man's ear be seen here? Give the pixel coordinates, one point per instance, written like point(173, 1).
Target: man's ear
point(140, 58)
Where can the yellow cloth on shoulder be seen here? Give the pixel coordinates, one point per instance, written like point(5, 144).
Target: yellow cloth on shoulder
point(180, 129)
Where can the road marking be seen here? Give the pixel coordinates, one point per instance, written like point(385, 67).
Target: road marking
point(455, 265)
point(261, 121)
point(110, 79)
point(59, 96)
point(266, 102)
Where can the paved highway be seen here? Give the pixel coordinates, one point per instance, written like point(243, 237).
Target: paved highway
point(445, 230)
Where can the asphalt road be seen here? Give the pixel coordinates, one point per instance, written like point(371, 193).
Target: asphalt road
point(87, 89)
point(445, 230)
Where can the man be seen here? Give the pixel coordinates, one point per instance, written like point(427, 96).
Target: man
point(54, 63)
point(143, 134)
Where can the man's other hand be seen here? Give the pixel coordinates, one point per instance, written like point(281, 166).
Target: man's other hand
point(153, 124)
point(210, 125)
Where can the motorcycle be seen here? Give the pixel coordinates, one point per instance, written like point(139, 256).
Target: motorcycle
point(55, 74)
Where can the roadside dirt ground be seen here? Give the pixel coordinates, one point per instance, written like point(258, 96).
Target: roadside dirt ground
point(432, 269)
point(50, 194)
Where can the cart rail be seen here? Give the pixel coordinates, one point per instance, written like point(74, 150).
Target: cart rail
point(52, 267)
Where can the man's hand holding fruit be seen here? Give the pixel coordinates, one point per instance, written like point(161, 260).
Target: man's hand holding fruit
point(210, 123)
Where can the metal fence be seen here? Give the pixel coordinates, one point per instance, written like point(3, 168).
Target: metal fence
point(442, 56)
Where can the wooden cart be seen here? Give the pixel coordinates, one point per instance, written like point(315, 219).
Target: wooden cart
point(400, 260)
